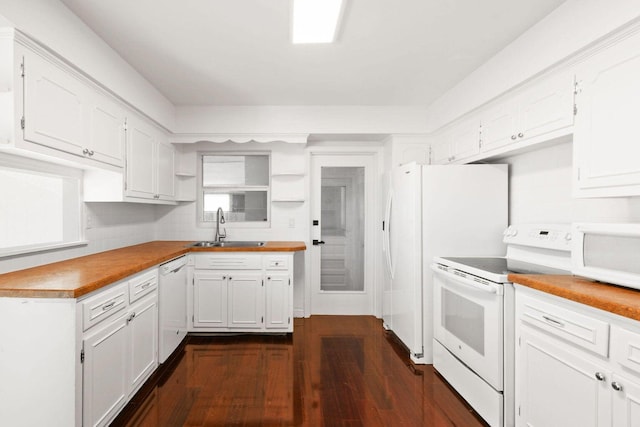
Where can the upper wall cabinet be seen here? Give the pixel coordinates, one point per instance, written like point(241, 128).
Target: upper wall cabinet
point(540, 112)
point(56, 111)
point(606, 142)
point(150, 163)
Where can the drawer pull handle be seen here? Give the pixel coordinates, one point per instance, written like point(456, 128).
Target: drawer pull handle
point(108, 306)
point(616, 386)
point(600, 376)
point(146, 285)
point(553, 321)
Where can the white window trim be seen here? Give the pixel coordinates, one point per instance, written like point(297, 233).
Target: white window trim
point(200, 202)
point(10, 161)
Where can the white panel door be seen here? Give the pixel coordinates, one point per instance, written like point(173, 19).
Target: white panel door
point(143, 330)
point(606, 141)
point(166, 172)
point(626, 401)
point(54, 106)
point(210, 300)
point(277, 293)
point(547, 373)
point(106, 130)
point(105, 385)
point(499, 125)
point(465, 139)
point(343, 202)
point(245, 300)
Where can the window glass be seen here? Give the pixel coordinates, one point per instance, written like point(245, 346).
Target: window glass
point(40, 206)
point(239, 184)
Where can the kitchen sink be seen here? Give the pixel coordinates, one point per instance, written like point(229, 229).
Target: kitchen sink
point(229, 244)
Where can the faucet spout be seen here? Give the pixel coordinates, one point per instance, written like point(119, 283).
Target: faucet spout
point(219, 220)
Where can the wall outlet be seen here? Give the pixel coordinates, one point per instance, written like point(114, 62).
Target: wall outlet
point(90, 221)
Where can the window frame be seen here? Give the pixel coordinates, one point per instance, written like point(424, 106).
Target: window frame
point(201, 191)
point(42, 168)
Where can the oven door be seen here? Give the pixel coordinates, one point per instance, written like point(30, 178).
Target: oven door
point(468, 321)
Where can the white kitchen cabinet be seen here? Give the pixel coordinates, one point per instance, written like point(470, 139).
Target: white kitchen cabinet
point(459, 142)
point(575, 365)
point(65, 112)
point(541, 111)
point(150, 163)
point(119, 349)
point(143, 341)
point(105, 386)
point(278, 301)
point(606, 143)
point(440, 150)
point(245, 300)
point(242, 292)
point(548, 372)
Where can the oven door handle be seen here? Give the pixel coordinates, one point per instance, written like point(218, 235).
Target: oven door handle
point(490, 289)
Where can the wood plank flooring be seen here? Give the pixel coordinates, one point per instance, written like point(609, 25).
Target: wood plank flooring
point(332, 371)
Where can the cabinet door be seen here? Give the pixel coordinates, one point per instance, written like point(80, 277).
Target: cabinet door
point(546, 107)
point(278, 294)
point(546, 373)
point(54, 106)
point(210, 300)
point(465, 139)
point(499, 125)
point(143, 330)
point(606, 142)
point(166, 172)
point(245, 300)
point(106, 130)
point(441, 150)
point(626, 402)
point(141, 168)
point(105, 385)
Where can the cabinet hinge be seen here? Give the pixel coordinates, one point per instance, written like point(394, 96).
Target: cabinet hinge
point(575, 109)
point(519, 342)
point(262, 319)
point(82, 356)
point(22, 122)
point(519, 411)
point(289, 281)
point(193, 317)
point(289, 320)
point(125, 125)
point(430, 154)
point(263, 282)
point(22, 69)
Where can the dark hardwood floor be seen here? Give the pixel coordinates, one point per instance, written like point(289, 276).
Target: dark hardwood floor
point(333, 371)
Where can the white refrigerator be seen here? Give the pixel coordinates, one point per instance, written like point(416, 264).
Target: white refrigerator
point(435, 210)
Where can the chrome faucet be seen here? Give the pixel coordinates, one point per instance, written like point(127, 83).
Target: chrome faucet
point(220, 220)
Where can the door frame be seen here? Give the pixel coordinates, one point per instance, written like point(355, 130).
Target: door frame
point(373, 238)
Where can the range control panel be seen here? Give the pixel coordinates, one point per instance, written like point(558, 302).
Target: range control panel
point(548, 236)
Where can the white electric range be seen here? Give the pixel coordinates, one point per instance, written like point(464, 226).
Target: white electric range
point(474, 315)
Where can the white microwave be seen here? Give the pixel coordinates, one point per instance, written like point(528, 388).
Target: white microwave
point(607, 253)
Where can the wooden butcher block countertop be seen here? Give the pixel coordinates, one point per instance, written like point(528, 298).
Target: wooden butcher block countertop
point(79, 276)
point(614, 299)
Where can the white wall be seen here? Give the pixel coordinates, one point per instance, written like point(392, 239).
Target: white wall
point(572, 26)
point(540, 191)
point(113, 225)
point(53, 24)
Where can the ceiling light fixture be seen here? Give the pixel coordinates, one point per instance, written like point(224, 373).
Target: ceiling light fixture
point(315, 21)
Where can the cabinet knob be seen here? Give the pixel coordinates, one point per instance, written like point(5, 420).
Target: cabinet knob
point(268, 278)
point(616, 386)
point(520, 135)
point(85, 151)
point(600, 376)
point(513, 137)
point(224, 277)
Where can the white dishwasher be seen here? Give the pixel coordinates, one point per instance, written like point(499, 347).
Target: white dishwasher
point(172, 306)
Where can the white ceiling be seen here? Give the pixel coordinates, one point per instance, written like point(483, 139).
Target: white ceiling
point(238, 52)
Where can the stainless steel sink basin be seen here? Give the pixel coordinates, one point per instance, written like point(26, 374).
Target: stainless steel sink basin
point(229, 244)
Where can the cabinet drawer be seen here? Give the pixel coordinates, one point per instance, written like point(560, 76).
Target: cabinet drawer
point(625, 349)
point(579, 329)
point(228, 262)
point(143, 284)
point(102, 306)
point(276, 262)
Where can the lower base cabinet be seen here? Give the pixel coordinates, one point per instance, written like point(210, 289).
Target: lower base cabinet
point(119, 354)
point(575, 365)
point(242, 293)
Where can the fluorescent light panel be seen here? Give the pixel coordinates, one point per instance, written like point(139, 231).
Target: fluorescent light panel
point(315, 21)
